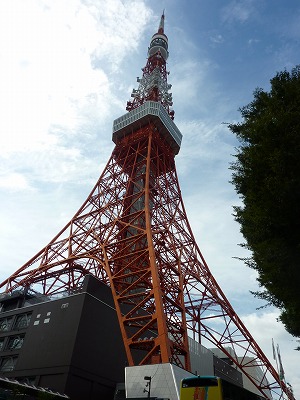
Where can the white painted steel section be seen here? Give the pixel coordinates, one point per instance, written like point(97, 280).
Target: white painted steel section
point(152, 109)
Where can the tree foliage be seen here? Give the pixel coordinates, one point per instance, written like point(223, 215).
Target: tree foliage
point(266, 175)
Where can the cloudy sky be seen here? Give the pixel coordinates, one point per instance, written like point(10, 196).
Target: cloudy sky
point(67, 70)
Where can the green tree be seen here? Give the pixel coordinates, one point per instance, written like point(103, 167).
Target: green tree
point(266, 175)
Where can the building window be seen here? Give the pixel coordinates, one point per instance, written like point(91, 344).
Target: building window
point(5, 324)
point(15, 342)
point(8, 364)
point(22, 321)
point(1, 344)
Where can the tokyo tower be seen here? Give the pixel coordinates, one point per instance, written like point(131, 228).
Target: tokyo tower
point(132, 233)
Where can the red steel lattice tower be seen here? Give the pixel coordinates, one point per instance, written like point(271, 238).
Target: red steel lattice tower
point(132, 233)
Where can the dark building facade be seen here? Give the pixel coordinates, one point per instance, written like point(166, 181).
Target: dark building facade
point(70, 344)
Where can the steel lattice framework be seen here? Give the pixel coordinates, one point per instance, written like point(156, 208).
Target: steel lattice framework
point(133, 233)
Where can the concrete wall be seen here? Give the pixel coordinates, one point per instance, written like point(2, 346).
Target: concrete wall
point(165, 381)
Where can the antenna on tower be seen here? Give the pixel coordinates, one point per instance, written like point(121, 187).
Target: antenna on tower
point(154, 83)
point(162, 22)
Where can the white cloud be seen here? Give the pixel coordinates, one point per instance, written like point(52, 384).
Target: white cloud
point(190, 79)
point(14, 182)
point(205, 140)
point(263, 327)
point(253, 41)
point(216, 38)
point(59, 59)
point(124, 19)
point(51, 89)
point(238, 10)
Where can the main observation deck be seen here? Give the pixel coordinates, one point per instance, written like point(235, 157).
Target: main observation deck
point(149, 112)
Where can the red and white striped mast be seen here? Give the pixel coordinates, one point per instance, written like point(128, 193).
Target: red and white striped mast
point(154, 83)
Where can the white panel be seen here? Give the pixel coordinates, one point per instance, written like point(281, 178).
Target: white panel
point(165, 380)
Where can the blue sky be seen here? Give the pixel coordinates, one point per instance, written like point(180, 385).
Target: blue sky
point(67, 71)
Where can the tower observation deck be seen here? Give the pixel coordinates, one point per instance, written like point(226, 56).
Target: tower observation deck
point(149, 112)
point(133, 234)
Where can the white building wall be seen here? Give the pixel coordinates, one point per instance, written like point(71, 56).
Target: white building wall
point(165, 380)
